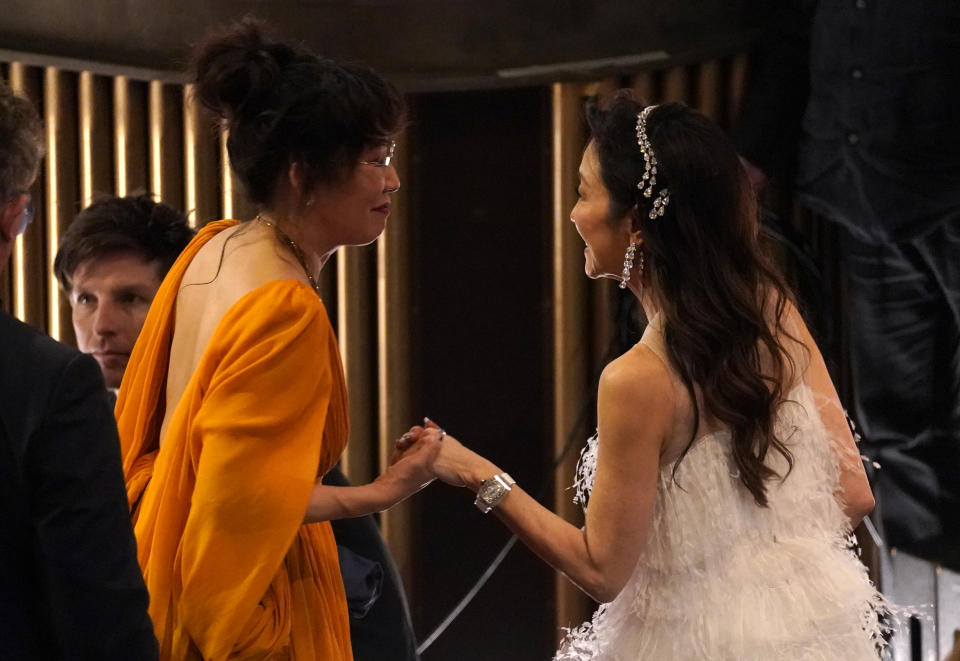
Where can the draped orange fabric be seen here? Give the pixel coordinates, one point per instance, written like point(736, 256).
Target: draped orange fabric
point(217, 510)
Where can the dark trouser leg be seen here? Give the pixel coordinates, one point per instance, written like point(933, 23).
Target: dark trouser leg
point(905, 369)
point(386, 631)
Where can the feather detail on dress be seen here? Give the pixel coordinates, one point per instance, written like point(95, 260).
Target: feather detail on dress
point(722, 579)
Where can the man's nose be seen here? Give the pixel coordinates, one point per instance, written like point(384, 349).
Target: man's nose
point(105, 319)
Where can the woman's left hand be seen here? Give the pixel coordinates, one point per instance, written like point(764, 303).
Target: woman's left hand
point(456, 464)
point(412, 468)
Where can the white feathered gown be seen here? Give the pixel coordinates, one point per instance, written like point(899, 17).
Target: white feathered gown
point(721, 579)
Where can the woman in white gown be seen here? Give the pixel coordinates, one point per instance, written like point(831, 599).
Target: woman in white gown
point(723, 482)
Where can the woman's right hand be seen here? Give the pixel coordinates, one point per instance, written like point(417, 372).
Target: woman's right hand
point(456, 464)
point(411, 468)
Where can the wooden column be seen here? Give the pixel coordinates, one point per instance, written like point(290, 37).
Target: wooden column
point(166, 143)
point(62, 194)
point(96, 137)
point(571, 351)
point(356, 309)
point(394, 361)
point(200, 153)
point(130, 135)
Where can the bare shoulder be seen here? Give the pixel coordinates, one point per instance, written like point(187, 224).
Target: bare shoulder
point(796, 326)
point(638, 372)
point(240, 259)
point(636, 387)
point(235, 262)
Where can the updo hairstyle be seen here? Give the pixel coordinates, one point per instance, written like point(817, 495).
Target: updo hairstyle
point(283, 105)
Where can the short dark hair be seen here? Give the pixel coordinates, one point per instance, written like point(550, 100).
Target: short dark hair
point(285, 105)
point(135, 224)
point(21, 143)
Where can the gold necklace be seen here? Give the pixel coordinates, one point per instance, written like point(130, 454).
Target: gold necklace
point(296, 252)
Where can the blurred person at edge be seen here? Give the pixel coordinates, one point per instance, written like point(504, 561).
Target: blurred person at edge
point(853, 106)
point(70, 587)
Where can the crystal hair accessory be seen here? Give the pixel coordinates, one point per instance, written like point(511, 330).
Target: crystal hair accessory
point(649, 180)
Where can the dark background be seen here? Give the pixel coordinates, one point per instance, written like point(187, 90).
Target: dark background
point(422, 44)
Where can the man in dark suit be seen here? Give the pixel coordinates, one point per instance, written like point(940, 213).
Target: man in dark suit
point(70, 586)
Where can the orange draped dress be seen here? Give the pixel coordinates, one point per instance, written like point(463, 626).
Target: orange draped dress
point(217, 510)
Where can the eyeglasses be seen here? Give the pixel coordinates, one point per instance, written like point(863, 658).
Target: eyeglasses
point(386, 161)
point(26, 217)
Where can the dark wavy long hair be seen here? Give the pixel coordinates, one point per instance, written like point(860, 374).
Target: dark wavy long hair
point(722, 301)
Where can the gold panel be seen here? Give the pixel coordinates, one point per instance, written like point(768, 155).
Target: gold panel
point(394, 362)
point(643, 87)
point(129, 125)
point(739, 65)
point(96, 140)
point(235, 204)
point(356, 307)
point(200, 152)
point(226, 179)
point(570, 321)
point(602, 89)
point(59, 93)
point(676, 84)
point(709, 91)
point(166, 142)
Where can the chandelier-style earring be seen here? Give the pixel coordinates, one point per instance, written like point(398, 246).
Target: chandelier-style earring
point(628, 264)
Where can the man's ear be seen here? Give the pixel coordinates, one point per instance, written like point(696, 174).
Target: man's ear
point(10, 214)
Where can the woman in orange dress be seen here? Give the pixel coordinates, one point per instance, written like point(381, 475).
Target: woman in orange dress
point(233, 405)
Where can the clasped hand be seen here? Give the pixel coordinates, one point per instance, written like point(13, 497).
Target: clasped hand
point(453, 463)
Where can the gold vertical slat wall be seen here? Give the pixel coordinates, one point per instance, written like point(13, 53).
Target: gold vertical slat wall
point(110, 135)
point(130, 135)
point(356, 310)
point(166, 142)
point(571, 357)
point(62, 194)
point(96, 136)
point(234, 204)
point(121, 135)
point(394, 359)
point(201, 163)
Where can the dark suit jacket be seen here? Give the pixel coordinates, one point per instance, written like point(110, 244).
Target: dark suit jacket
point(385, 632)
point(70, 586)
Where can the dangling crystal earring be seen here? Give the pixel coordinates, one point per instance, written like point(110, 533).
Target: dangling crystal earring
point(628, 264)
